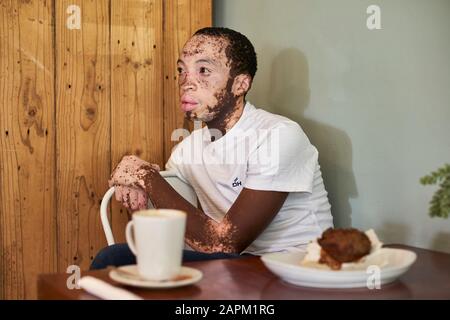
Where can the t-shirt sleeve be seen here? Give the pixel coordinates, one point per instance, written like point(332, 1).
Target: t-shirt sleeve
point(284, 160)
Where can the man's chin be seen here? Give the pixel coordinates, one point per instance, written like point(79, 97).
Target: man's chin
point(196, 116)
point(192, 116)
point(189, 115)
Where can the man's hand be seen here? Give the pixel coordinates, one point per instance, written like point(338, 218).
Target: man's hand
point(131, 177)
point(131, 198)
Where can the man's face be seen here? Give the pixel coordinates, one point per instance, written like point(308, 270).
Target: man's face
point(204, 78)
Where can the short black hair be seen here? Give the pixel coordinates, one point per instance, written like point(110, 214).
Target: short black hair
point(240, 50)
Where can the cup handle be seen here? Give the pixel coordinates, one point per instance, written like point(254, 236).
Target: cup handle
point(129, 237)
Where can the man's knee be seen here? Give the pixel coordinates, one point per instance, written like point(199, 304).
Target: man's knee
point(114, 255)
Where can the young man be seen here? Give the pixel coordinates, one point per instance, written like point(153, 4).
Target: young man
point(256, 174)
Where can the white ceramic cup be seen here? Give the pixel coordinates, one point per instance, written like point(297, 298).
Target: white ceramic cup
point(157, 242)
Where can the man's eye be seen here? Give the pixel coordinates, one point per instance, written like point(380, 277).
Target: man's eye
point(204, 70)
point(180, 70)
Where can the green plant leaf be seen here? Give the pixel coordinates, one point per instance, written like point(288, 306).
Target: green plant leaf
point(440, 202)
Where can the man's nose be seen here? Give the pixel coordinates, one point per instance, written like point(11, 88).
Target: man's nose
point(187, 82)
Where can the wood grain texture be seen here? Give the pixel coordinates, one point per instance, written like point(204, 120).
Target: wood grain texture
point(83, 130)
point(136, 88)
point(27, 158)
point(178, 28)
point(201, 14)
point(73, 102)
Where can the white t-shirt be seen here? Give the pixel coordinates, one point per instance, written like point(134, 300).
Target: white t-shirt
point(262, 151)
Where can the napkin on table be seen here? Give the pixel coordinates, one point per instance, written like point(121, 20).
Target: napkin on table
point(104, 290)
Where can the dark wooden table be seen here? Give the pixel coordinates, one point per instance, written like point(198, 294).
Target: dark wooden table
point(249, 279)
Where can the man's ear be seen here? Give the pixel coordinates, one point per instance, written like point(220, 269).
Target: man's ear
point(241, 84)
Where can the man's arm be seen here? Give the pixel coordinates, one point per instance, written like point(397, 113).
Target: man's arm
point(249, 215)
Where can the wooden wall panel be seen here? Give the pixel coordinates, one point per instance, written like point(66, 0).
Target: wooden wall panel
point(83, 129)
point(27, 157)
point(201, 14)
point(182, 19)
point(137, 87)
point(73, 103)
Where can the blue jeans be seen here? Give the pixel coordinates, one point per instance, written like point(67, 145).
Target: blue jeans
point(120, 255)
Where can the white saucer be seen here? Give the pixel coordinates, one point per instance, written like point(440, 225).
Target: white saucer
point(129, 275)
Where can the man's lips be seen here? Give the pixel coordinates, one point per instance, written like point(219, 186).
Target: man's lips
point(188, 104)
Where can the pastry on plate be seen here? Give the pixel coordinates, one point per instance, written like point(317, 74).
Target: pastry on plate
point(341, 246)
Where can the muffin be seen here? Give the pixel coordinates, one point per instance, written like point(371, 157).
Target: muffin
point(340, 246)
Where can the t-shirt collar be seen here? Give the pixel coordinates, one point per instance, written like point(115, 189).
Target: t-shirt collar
point(247, 108)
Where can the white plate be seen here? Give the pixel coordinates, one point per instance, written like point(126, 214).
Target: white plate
point(129, 275)
point(392, 264)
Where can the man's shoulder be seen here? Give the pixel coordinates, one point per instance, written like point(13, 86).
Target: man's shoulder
point(271, 126)
point(262, 119)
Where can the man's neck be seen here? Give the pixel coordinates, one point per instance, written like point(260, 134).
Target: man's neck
point(225, 122)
